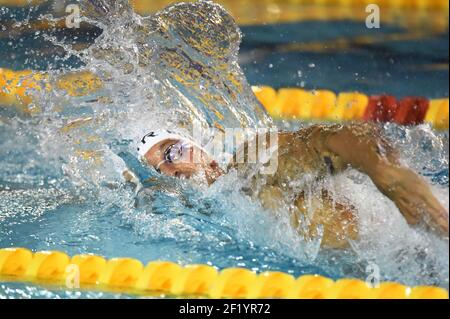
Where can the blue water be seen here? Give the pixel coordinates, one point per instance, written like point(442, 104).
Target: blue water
point(417, 67)
point(51, 200)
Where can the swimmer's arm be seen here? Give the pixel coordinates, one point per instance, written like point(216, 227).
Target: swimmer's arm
point(131, 178)
point(363, 147)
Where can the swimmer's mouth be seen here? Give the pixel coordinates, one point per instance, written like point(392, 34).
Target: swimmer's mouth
point(180, 176)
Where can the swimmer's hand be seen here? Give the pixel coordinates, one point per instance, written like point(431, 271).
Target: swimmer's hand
point(413, 197)
point(363, 147)
point(130, 177)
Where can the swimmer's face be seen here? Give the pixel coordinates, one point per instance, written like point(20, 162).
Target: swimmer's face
point(180, 158)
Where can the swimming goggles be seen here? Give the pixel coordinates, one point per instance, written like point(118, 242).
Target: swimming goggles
point(174, 153)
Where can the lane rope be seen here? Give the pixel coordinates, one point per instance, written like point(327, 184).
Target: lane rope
point(17, 89)
point(413, 14)
point(165, 278)
point(325, 105)
point(145, 6)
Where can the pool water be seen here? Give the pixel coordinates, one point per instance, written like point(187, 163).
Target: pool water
point(51, 197)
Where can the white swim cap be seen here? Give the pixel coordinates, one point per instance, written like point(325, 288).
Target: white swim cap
point(151, 139)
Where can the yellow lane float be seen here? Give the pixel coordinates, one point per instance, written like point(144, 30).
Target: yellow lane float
point(295, 103)
point(253, 12)
point(164, 278)
point(18, 87)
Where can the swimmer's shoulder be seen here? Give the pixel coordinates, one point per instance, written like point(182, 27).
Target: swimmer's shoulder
point(308, 148)
point(299, 152)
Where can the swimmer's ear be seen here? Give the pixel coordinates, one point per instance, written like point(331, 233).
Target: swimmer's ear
point(204, 26)
point(104, 10)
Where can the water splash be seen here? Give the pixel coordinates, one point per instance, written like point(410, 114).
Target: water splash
point(167, 70)
point(162, 71)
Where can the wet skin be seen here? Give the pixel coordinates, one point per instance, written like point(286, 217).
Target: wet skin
point(323, 149)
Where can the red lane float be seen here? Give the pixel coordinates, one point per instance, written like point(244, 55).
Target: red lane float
point(295, 103)
point(381, 108)
point(386, 108)
point(411, 111)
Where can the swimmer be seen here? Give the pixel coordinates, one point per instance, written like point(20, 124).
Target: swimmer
point(319, 149)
